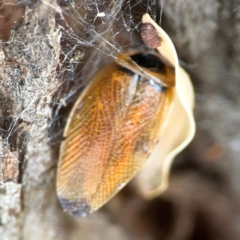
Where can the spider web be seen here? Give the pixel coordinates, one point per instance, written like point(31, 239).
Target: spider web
point(93, 32)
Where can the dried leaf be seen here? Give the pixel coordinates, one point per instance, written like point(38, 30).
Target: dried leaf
point(179, 129)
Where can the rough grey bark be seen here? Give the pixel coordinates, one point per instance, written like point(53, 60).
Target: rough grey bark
point(202, 201)
point(28, 81)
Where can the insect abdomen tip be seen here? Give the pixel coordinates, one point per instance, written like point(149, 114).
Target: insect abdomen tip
point(75, 208)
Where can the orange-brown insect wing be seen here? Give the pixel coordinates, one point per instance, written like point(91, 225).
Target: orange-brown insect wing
point(135, 138)
point(89, 139)
point(112, 130)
